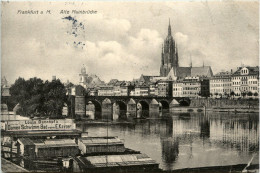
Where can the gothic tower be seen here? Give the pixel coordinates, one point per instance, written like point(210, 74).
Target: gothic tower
point(169, 54)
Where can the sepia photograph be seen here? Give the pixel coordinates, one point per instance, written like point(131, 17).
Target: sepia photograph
point(130, 86)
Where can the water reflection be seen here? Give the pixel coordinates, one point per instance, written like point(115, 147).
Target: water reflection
point(179, 140)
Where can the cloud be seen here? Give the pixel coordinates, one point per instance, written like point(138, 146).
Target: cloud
point(181, 39)
point(122, 41)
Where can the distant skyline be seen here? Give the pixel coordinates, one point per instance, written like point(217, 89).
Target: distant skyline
point(124, 39)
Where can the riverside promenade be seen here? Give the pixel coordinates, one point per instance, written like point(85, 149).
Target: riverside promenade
point(7, 166)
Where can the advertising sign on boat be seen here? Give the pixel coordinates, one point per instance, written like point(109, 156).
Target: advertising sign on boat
point(50, 124)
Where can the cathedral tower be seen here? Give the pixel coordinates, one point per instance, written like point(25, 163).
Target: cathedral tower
point(169, 57)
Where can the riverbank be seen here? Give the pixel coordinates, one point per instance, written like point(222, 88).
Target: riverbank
point(225, 103)
point(215, 109)
point(216, 169)
point(90, 121)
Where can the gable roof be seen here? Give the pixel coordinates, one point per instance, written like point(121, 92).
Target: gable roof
point(201, 71)
point(112, 81)
point(25, 141)
point(252, 71)
point(183, 72)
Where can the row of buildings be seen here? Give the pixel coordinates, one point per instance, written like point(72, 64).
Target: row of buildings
point(242, 83)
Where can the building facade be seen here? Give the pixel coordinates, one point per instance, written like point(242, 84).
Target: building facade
point(164, 88)
point(191, 87)
point(245, 82)
point(141, 90)
point(106, 90)
point(221, 84)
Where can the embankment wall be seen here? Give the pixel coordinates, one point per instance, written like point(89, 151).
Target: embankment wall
point(225, 103)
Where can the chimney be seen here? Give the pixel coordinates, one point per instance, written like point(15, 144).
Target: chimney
point(231, 71)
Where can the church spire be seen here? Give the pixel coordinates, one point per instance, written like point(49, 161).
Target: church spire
point(169, 28)
point(162, 61)
point(162, 48)
point(190, 61)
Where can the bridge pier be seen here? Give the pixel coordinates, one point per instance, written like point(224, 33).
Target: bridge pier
point(154, 108)
point(107, 110)
point(131, 109)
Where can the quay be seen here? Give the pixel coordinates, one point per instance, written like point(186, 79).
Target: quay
point(7, 166)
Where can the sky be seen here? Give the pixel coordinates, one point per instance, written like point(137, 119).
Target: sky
point(123, 40)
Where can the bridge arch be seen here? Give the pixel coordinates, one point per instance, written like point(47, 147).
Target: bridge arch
point(122, 105)
point(122, 108)
point(143, 108)
point(97, 108)
point(184, 102)
point(164, 105)
point(143, 105)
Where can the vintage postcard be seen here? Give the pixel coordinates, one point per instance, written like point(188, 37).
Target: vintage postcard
point(130, 86)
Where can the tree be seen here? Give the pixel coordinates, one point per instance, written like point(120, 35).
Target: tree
point(37, 98)
point(255, 94)
point(249, 93)
point(243, 94)
point(28, 93)
point(216, 94)
point(226, 94)
point(54, 98)
point(232, 93)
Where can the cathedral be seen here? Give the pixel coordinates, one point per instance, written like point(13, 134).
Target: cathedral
point(169, 54)
point(170, 62)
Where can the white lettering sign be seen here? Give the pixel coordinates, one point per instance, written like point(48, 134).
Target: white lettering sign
point(28, 125)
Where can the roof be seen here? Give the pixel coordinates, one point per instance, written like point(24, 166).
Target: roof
point(141, 85)
point(112, 81)
point(115, 160)
point(252, 71)
point(100, 140)
point(227, 73)
point(183, 72)
point(40, 143)
point(201, 71)
point(25, 141)
point(145, 79)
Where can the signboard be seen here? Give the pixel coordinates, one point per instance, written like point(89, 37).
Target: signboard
point(31, 125)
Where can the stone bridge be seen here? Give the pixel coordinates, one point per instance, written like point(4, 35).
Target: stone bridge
point(130, 105)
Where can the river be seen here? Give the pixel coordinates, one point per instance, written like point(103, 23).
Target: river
point(187, 140)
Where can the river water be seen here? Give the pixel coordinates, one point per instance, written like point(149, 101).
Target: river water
point(187, 140)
